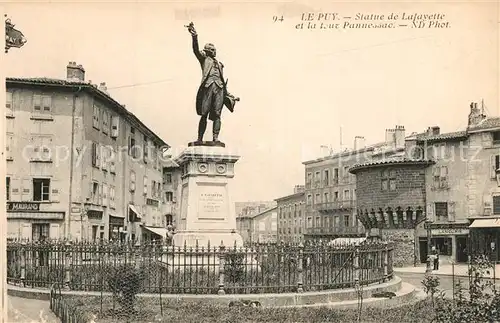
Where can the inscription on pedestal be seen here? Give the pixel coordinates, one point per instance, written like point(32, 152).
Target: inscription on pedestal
point(212, 202)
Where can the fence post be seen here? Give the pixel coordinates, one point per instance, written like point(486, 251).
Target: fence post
point(67, 265)
point(222, 249)
point(386, 261)
point(23, 263)
point(356, 266)
point(300, 269)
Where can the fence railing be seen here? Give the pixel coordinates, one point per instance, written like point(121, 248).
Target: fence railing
point(263, 268)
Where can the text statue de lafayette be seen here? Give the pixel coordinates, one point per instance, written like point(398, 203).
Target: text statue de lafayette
point(212, 94)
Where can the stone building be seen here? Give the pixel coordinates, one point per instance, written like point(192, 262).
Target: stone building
point(79, 165)
point(391, 202)
point(291, 216)
point(331, 191)
point(252, 207)
point(259, 228)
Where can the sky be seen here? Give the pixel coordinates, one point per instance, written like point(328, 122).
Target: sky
point(298, 88)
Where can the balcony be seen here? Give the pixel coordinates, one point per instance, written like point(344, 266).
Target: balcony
point(335, 205)
point(336, 231)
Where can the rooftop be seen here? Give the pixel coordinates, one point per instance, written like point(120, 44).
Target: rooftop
point(486, 124)
point(391, 162)
point(290, 196)
point(93, 90)
point(442, 136)
point(254, 215)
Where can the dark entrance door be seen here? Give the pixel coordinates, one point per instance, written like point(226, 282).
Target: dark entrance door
point(423, 250)
point(461, 242)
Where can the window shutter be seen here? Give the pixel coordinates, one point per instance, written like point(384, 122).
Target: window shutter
point(100, 193)
point(115, 124)
point(492, 166)
point(145, 185)
point(26, 231)
point(54, 190)
point(15, 190)
point(27, 190)
point(451, 211)
point(487, 204)
point(431, 212)
point(105, 195)
point(94, 154)
point(54, 232)
point(98, 156)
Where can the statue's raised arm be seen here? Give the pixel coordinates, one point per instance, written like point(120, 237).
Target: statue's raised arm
point(196, 49)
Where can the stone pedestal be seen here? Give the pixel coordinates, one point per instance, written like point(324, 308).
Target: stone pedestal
point(207, 213)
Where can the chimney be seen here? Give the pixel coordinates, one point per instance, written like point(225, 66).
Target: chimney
point(399, 137)
point(476, 115)
point(103, 87)
point(325, 151)
point(435, 130)
point(298, 189)
point(75, 73)
point(359, 142)
point(389, 136)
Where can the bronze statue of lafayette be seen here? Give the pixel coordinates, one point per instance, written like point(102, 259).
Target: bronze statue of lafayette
point(212, 94)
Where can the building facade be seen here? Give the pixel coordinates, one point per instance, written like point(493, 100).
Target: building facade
point(79, 165)
point(291, 216)
point(252, 207)
point(330, 190)
point(259, 228)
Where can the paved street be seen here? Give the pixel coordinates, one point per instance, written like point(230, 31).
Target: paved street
point(23, 310)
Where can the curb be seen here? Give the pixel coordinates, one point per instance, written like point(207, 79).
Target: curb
point(267, 300)
point(445, 275)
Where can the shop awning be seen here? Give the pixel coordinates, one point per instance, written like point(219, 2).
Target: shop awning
point(485, 223)
point(36, 215)
point(159, 231)
point(135, 211)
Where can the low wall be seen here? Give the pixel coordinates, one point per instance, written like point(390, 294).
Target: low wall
point(268, 300)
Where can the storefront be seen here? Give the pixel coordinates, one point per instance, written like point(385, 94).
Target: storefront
point(485, 238)
point(28, 220)
point(116, 228)
point(450, 239)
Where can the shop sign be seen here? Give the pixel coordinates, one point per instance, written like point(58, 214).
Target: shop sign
point(23, 206)
point(449, 231)
point(152, 202)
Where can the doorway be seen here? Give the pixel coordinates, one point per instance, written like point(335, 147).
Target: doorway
point(423, 250)
point(461, 248)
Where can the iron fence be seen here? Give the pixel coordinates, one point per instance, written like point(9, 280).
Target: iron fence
point(164, 269)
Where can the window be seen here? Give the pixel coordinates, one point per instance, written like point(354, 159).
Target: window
point(309, 222)
point(41, 189)
point(145, 185)
point(132, 181)
point(309, 199)
point(326, 177)
point(347, 222)
point(496, 137)
point(112, 196)
point(440, 177)
point(95, 193)
point(496, 205)
point(42, 104)
point(40, 231)
point(335, 196)
point(145, 149)
point(105, 122)
point(325, 197)
point(168, 178)
point(346, 174)
point(7, 189)
point(388, 180)
point(335, 176)
point(347, 195)
point(8, 103)
point(115, 122)
point(317, 178)
point(318, 198)
point(309, 178)
point(441, 210)
point(95, 155)
point(169, 196)
point(96, 117)
point(9, 146)
point(318, 222)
